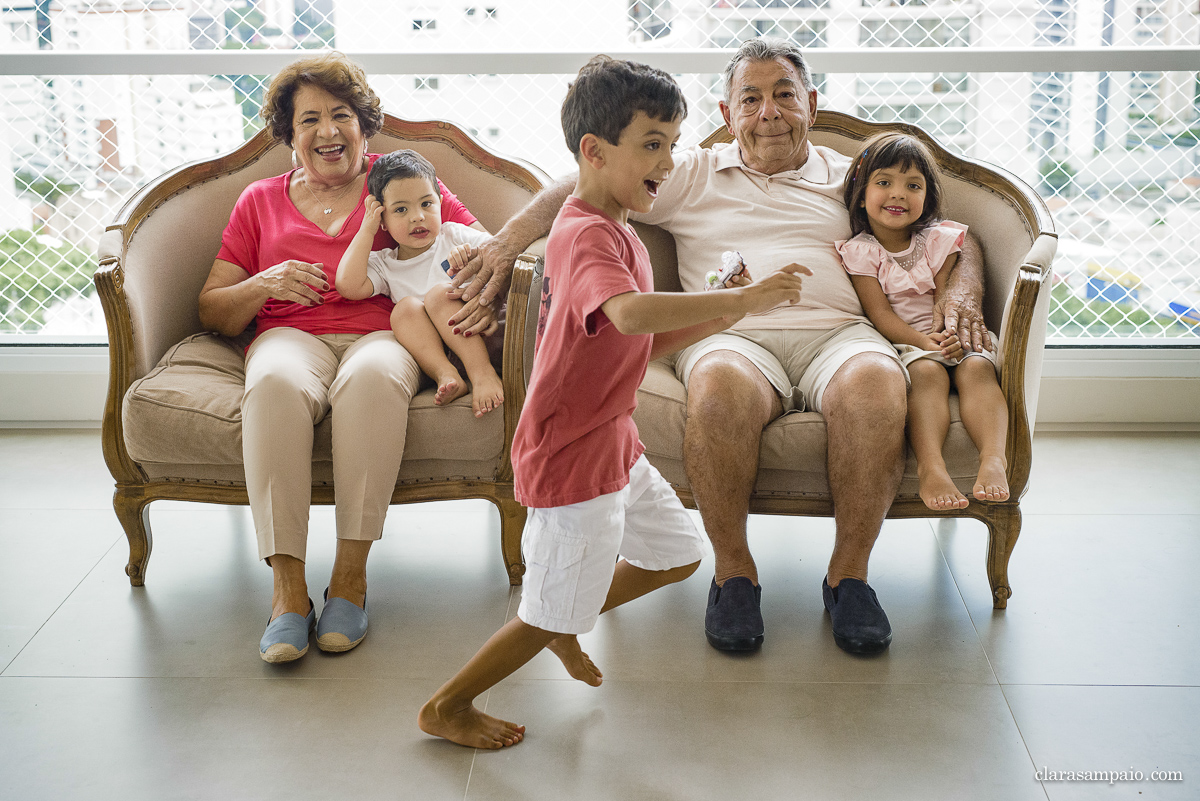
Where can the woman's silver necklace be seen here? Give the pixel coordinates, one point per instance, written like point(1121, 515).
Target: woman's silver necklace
point(329, 210)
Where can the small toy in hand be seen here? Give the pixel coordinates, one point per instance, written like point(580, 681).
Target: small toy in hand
point(731, 265)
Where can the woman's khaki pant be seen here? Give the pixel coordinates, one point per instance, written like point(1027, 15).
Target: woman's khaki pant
point(293, 380)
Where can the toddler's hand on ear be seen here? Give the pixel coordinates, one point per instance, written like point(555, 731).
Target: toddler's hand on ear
point(374, 211)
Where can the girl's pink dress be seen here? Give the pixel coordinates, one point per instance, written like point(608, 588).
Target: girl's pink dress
point(908, 278)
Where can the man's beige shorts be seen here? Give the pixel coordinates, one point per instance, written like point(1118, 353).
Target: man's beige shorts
point(799, 362)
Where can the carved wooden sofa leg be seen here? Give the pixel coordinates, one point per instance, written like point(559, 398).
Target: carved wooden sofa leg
point(133, 511)
point(512, 523)
point(1004, 527)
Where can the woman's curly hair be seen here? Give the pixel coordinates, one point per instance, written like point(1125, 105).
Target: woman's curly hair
point(337, 75)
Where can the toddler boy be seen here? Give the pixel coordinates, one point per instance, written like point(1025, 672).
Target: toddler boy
point(403, 198)
point(577, 458)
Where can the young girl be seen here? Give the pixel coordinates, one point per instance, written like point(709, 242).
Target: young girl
point(902, 253)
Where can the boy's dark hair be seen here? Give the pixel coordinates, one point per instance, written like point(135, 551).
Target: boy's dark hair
point(399, 164)
point(884, 151)
point(607, 93)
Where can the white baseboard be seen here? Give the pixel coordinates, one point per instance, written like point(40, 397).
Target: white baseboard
point(65, 386)
point(1139, 385)
point(53, 385)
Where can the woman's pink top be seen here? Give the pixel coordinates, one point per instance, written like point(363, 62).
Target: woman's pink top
point(907, 277)
point(266, 229)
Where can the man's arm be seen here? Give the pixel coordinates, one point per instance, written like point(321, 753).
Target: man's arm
point(959, 308)
point(488, 274)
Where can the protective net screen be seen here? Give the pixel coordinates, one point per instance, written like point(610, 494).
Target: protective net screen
point(1115, 154)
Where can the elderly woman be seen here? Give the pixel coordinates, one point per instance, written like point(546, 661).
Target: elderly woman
point(315, 353)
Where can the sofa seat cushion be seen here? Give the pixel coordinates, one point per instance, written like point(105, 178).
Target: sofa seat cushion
point(183, 420)
point(793, 450)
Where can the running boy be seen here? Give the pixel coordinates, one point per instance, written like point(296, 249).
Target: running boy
point(404, 199)
point(577, 459)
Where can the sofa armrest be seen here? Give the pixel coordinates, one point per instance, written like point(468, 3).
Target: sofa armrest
point(109, 280)
point(1022, 339)
point(515, 369)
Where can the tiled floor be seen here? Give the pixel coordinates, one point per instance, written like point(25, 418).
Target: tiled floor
point(108, 691)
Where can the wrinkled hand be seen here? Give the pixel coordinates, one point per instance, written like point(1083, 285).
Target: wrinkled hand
point(475, 319)
point(741, 279)
point(295, 281)
point(947, 344)
point(486, 274)
point(959, 314)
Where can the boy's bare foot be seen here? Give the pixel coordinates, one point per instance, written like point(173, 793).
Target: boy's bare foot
point(487, 394)
point(450, 388)
point(468, 727)
point(992, 484)
point(938, 491)
point(578, 664)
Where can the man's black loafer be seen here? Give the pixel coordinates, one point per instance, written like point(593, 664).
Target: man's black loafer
point(860, 626)
point(733, 620)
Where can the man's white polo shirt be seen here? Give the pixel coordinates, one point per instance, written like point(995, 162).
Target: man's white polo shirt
point(713, 202)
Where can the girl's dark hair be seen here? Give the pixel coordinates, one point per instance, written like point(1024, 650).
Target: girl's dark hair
point(337, 75)
point(606, 94)
point(399, 164)
point(884, 151)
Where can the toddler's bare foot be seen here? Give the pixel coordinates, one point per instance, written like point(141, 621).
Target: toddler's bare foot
point(578, 664)
point(937, 489)
point(992, 484)
point(450, 387)
point(487, 394)
point(468, 727)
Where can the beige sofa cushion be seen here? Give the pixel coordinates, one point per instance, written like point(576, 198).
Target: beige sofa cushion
point(183, 420)
point(792, 455)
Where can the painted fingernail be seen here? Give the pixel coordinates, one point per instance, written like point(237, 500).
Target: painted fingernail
point(468, 333)
point(457, 331)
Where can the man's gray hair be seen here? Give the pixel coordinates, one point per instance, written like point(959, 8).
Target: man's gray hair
point(767, 49)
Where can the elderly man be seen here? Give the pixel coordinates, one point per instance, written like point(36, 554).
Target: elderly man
point(777, 199)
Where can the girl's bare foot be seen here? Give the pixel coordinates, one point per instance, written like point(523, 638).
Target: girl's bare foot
point(937, 489)
point(468, 726)
point(487, 394)
point(450, 388)
point(992, 484)
point(578, 664)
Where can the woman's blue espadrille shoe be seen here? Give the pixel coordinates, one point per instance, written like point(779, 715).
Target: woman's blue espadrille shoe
point(286, 637)
point(342, 626)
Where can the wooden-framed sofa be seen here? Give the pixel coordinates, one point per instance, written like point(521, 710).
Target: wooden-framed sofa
point(1017, 236)
point(172, 420)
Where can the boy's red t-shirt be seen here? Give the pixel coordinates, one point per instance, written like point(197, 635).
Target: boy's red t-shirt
point(265, 229)
point(576, 439)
